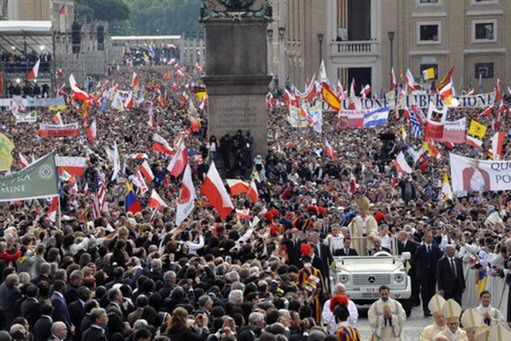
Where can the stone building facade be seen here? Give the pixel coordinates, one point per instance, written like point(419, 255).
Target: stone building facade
point(472, 35)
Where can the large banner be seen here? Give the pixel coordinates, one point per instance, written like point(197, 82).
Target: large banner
point(448, 131)
point(37, 180)
point(34, 102)
point(26, 117)
point(471, 175)
point(55, 130)
point(421, 100)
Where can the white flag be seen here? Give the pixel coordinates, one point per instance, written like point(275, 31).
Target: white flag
point(186, 200)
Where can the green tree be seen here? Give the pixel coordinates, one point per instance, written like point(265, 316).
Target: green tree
point(108, 10)
point(163, 17)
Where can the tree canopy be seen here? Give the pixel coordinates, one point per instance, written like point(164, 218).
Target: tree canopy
point(143, 17)
point(156, 17)
point(108, 10)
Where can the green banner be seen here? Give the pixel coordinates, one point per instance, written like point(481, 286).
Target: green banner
point(38, 180)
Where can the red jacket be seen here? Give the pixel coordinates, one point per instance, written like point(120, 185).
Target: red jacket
point(7, 257)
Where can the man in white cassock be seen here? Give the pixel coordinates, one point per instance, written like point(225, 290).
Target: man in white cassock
point(435, 307)
point(491, 316)
point(363, 228)
point(386, 317)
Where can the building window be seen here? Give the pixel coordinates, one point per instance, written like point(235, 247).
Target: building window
point(483, 69)
point(484, 2)
point(429, 2)
point(429, 66)
point(484, 31)
point(429, 32)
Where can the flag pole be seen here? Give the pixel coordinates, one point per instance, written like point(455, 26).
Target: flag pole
point(59, 213)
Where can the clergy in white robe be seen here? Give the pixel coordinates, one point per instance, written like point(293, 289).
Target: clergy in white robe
point(452, 312)
point(491, 316)
point(386, 317)
point(435, 306)
point(457, 334)
point(363, 230)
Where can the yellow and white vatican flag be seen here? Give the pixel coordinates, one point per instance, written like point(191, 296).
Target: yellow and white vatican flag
point(446, 193)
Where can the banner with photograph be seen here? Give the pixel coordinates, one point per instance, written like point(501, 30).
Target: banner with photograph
point(472, 175)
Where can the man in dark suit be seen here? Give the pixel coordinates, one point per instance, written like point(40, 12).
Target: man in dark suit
point(60, 312)
point(96, 332)
point(42, 327)
point(346, 249)
point(9, 295)
point(86, 322)
point(451, 281)
point(31, 308)
point(405, 244)
point(292, 247)
point(425, 264)
point(45, 274)
point(75, 281)
point(322, 257)
point(377, 247)
point(169, 278)
point(77, 310)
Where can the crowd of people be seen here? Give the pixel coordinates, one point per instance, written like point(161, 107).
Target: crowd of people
point(263, 272)
point(32, 89)
point(150, 54)
point(14, 62)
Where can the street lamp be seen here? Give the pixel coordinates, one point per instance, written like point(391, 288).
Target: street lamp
point(320, 39)
point(391, 34)
point(270, 34)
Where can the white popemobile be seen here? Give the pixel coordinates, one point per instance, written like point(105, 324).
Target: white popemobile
point(363, 275)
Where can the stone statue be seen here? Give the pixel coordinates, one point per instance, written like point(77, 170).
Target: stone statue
point(235, 10)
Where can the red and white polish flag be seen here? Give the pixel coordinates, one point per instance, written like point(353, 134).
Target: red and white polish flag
point(146, 171)
point(34, 72)
point(162, 146)
point(155, 201)
point(179, 161)
point(237, 187)
point(214, 190)
point(401, 164)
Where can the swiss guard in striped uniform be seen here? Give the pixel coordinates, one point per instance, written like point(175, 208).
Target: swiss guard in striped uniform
point(311, 282)
point(339, 308)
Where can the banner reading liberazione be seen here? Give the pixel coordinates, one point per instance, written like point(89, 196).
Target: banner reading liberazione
point(472, 175)
point(37, 180)
point(421, 100)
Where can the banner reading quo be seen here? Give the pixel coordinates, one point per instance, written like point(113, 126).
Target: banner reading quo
point(421, 100)
point(38, 180)
point(472, 175)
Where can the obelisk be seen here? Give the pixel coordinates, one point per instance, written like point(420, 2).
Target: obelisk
point(236, 67)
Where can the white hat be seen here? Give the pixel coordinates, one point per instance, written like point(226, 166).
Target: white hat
point(452, 311)
point(471, 319)
point(436, 303)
